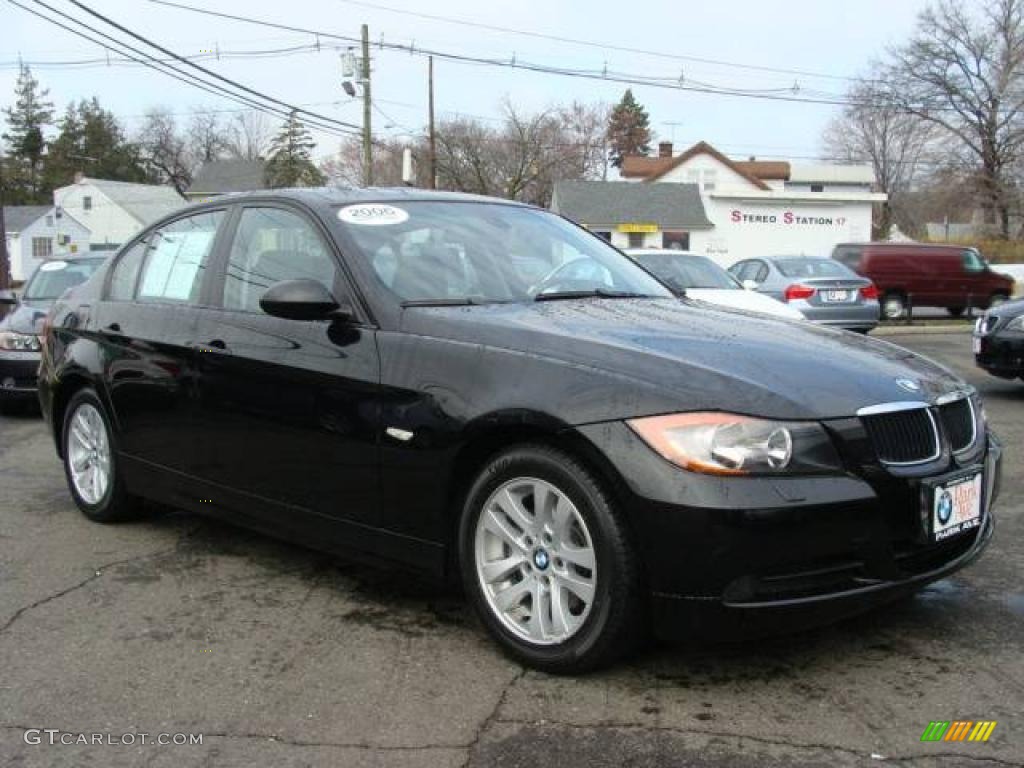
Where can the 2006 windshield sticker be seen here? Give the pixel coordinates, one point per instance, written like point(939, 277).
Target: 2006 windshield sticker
point(372, 215)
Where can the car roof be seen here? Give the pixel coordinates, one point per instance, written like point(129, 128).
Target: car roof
point(929, 246)
point(658, 252)
point(330, 196)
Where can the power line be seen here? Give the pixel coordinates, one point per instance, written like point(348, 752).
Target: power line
point(209, 72)
point(166, 69)
point(603, 75)
point(594, 44)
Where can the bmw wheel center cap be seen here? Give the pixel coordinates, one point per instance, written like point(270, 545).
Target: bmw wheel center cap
point(541, 559)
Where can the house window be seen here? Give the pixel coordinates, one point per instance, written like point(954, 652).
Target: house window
point(817, 187)
point(604, 235)
point(636, 239)
point(87, 203)
point(710, 177)
point(49, 221)
point(676, 241)
point(42, 247)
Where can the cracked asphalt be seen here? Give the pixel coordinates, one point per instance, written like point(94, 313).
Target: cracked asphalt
point(280, 656)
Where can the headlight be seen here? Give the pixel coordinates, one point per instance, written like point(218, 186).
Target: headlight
point(19, 342)
point(730, 444)
point(1017, 324)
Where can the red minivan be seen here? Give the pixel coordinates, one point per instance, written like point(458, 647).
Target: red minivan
point(950, 276)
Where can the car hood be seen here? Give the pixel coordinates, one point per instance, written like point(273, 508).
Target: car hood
point(745, 300)
point(696, 357)
point(26, 318)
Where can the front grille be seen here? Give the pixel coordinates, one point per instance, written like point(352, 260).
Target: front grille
point(958, 422)
point(989, 323)
point(904, 436)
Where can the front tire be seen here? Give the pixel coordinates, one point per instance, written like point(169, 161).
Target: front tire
point(90, 461)
point(548, 563)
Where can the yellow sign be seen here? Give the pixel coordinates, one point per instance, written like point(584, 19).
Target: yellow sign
point(634, 227)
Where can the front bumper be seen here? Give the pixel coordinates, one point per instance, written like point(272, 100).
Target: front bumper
point(19, 375)
point(742, 557)
point(1000, 354)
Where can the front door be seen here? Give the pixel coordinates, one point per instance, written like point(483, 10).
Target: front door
point(287, 410)
point(146, 325)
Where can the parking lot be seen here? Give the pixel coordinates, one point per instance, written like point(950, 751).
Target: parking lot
point(278, 655)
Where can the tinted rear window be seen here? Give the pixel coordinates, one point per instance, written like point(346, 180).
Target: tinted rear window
point(812, 268)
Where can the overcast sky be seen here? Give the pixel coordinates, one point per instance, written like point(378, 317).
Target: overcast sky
point(829, 39)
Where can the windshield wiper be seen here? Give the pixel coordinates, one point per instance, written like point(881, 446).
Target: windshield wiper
point(460, 302)
point(600, 293)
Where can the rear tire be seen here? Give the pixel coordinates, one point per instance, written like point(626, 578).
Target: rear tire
point(548, 564)
point(90, 461)
point(894, 305)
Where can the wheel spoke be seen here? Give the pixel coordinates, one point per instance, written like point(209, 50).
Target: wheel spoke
point(500, 570)
point(561, 620)
point(495, 522)
point(512, 596)
point(80, 462)
point(583, 589)
point(544, 499)
point(540, 624)
point(514, 508)
point(561, 519)
point(79, 433)
point(579, 556)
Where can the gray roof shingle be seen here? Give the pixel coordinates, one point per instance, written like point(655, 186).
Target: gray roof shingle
point(18, 217)
point(222, 176)
point(144, 202)
point(607, 203)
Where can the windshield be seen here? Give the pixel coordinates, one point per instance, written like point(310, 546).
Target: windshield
point(482, 253)
point(682, 272)
point(52, 278)
point(813, 268)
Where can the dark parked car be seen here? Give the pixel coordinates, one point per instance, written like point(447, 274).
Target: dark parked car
point(999, 340)
point(366, 371)
point(823, 290)
point(20, 329)
point(949, 276)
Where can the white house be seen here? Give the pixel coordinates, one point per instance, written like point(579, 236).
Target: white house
point(39, 232)
point(754, 207)
point(114, 211)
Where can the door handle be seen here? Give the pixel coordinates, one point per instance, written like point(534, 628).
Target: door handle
point(113, 328)
point(213, 345)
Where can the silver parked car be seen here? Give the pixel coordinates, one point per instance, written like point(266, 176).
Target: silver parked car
point(824, 290)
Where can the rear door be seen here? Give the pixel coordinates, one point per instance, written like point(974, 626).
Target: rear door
point(287, 409)
point(146, 326)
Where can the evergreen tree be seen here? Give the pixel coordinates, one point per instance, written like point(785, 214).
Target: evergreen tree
point(291, 157)
point(629, 130)
point(92, 141)
point(24, 138)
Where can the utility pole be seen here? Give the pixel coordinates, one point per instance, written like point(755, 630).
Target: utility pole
point(367, 135)
point(432, 165)
point(5, 260)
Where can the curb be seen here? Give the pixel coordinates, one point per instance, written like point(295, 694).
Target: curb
point(912, 330)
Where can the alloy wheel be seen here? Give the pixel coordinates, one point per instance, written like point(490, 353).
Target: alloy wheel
point(88, 452)
point(535, 561)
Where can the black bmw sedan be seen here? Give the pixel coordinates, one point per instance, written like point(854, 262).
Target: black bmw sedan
point(476, 388)
point(999, 340)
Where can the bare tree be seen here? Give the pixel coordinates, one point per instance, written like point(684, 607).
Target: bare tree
point(164, 149)
point(208, 137)
point(249, 135)
point(345, 168)
point(965, 74)
point(894, 142)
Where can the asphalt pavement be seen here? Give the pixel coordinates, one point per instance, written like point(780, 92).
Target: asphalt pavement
point(280, 656)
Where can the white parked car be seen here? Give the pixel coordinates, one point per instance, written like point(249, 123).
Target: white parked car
point(698, 277)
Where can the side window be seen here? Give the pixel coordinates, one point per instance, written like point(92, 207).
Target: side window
point(176, 258)
point(736, 270)
point(271, 245)
point(122, 281)
point(973, 262)
point(762, 272)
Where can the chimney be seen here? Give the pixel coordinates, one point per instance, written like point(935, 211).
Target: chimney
point(753, 159)
point(79, 177)
point(665, 149)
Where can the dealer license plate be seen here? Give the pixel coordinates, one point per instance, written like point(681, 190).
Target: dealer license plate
point(956, 506)
point(976, 344)
point(836, 296)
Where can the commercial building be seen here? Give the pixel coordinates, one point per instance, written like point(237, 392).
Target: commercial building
point(729, 210)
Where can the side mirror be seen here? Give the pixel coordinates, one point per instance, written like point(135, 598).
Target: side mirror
point(9, 298)
point(303, 300)
point(750, 285)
